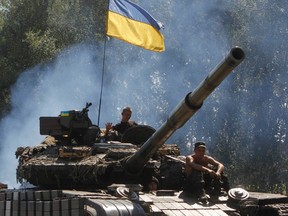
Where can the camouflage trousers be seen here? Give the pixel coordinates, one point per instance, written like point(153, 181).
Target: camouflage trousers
point(197, 183)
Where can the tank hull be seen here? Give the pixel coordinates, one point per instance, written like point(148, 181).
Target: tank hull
point(93, 203)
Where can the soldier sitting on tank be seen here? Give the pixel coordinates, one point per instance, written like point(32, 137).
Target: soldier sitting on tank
point(121, 127)
point(200, 175)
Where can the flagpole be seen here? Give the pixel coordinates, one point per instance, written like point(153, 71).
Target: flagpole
point(103, 68)
point(102, 80)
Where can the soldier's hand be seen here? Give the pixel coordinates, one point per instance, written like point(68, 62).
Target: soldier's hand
point(218, 175)
point(108, 126)
point(212, 173)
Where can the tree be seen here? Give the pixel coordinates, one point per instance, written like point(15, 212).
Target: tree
point(33, 32)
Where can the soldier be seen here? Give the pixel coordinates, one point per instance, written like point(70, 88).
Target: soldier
point(124, 125)
point(204, 174)
point(153, 184)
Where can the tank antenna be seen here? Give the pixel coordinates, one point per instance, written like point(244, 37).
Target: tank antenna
point(102, 81)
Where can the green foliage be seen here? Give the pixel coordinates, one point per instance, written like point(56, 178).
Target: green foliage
point(41, 46)
point(32, 32)
point(76, 21)
point(1, 21)
point(274, 188)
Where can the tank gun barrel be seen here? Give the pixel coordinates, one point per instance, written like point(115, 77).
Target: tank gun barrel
point(185, 110)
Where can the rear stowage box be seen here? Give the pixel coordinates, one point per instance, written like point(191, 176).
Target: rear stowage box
point(50, 126)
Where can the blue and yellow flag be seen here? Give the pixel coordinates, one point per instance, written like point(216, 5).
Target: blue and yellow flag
point(65, 113)
point(129, 22)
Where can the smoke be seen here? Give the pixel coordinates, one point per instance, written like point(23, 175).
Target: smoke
point(197, 36)
point(65, 84)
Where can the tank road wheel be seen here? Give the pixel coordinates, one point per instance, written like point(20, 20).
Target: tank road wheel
point(89, 211)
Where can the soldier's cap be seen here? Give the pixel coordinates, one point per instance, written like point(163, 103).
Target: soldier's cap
point(199, 144)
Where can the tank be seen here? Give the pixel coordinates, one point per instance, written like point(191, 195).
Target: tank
point(74, 171)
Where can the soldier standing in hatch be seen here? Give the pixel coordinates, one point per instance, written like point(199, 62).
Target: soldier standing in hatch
point(203, 172)
point(123, 126)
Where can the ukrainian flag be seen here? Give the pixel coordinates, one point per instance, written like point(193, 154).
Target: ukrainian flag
point(129, 22)
point(65, 113)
